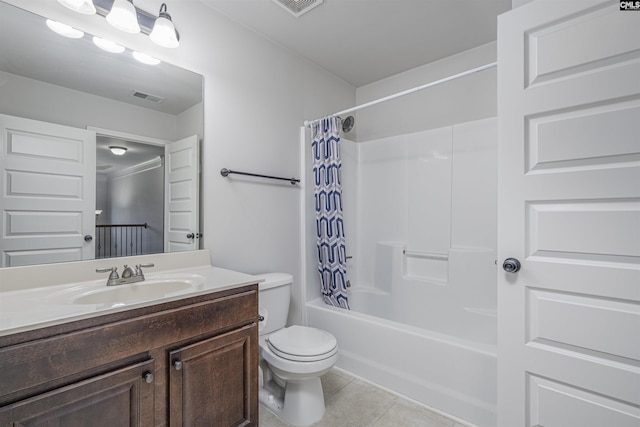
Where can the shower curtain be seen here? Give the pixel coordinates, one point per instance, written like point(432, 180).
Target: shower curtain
point(328, 205)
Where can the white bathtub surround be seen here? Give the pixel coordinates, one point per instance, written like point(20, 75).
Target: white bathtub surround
point(433, 190)
point(432, 341)
point(458, 307)
point(454, 376)
point(420, 218)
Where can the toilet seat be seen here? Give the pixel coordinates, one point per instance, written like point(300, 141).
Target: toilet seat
point(302, 344)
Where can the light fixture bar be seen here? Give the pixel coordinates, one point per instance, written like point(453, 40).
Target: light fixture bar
point(145, 19)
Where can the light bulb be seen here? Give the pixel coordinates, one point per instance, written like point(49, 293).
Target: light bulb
point(82, 6)
point(118, 151)
point(64, 29)
point(124, 17)
point(164, 33)
point(145, 59)
point(108, 45)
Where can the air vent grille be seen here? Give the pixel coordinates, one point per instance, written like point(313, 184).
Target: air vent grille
point(147, 97)
point(298, 7)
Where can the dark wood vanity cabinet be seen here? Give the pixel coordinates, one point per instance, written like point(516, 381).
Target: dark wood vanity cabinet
point(119, 398)
point(191, 362)
point(210, 380)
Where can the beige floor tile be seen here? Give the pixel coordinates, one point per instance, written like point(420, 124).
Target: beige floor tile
point(333, 381)
point(351, 402)
point(359, 404)
point(267, 419)
point(406, 414)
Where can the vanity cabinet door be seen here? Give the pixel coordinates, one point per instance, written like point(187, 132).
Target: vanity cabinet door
point(120, 398)
point(214, 382)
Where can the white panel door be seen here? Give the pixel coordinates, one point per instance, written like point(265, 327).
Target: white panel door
point(182, 180)
point(569, 210)
point(48, 185)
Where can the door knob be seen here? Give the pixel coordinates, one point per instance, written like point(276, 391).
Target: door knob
point(88, 238)
point(511, 265)
point(178, 365)
point(190, 236)
point(148, 377)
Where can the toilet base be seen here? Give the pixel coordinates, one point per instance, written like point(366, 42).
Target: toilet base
point(298, 404)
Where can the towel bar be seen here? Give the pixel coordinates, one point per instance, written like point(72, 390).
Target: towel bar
point(226, 172)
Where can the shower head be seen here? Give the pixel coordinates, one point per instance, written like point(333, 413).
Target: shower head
point(347, 124)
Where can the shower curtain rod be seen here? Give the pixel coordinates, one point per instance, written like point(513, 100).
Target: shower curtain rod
point(308, 123)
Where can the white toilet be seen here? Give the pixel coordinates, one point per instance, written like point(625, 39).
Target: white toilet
point(292, 358)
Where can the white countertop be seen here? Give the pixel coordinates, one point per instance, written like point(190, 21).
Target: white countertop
point(33, 306)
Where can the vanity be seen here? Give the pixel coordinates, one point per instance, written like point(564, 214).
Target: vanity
point(80, 353)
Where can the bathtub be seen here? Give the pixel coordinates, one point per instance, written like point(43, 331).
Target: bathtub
point(416, 338)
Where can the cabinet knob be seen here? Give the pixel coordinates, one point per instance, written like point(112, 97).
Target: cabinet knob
point(178, 365)
point(148, 377)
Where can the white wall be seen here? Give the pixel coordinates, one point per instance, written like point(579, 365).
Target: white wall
point(257, 95)
point(462, 100)
point(138, 198)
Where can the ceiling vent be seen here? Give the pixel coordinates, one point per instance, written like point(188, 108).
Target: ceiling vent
point(298, 7)
point(147, 97)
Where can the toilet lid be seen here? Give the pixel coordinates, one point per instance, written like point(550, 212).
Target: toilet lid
point(302, 341)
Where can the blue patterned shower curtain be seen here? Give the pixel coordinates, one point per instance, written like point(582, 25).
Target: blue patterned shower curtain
point(328, 199)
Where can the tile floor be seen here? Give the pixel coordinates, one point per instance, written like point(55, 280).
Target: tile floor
point(351, 402)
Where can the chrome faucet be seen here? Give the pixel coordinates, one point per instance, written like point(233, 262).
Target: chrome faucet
point(129, 275)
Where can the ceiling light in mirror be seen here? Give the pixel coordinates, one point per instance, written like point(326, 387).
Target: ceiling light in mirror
point(145, 59)
point(64, 29)
point(108, 45)
point(123, 16)
point(82, 6)
point(118, 151)
point(164, 33)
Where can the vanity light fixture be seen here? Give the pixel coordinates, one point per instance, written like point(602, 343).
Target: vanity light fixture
point(118, 151)
point(85, 7)
point(144, 58)
point(164, 33)
point(108, 45)
point(64, 29)
point(123, 16)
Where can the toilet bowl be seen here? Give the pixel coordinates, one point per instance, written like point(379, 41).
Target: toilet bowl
point(292, 359)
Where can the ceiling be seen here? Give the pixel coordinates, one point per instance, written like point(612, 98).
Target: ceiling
point(362, 41)
point(137, 153)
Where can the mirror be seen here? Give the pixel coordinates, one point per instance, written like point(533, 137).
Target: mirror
point(71, 82)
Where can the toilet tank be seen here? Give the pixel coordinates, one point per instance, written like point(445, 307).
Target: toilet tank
point(273, 301)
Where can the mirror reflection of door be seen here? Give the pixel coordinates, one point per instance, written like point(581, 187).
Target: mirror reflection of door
point(48, 186)
point(182, 203)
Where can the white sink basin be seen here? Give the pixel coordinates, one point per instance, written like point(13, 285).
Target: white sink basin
point(155, 287)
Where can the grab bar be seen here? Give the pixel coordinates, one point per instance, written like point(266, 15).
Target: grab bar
point(226, 172)
point(427, 255)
